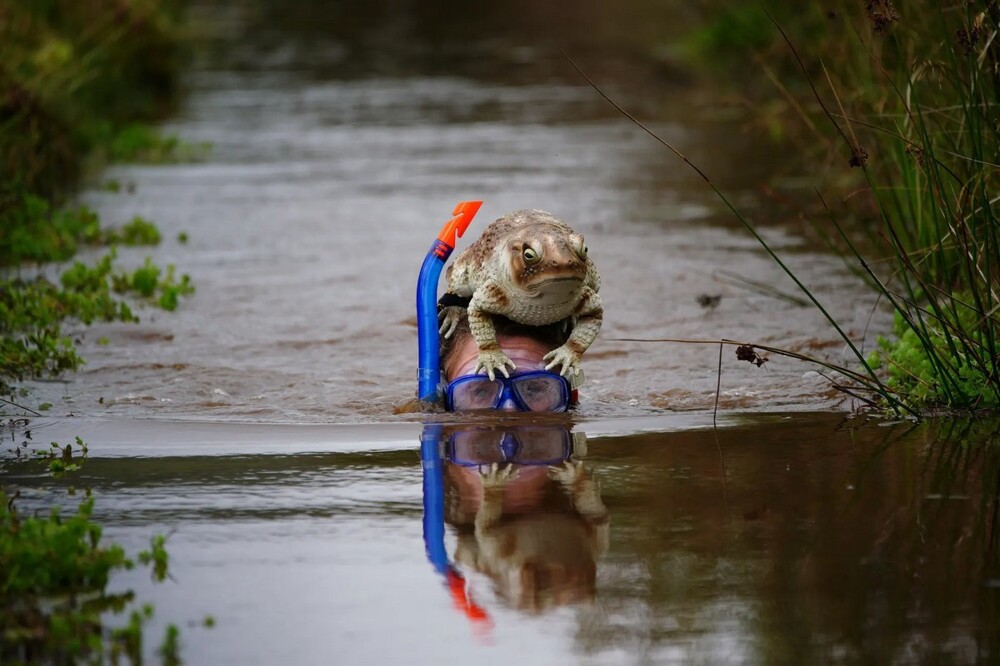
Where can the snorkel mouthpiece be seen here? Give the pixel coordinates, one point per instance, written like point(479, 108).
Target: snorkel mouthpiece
point(429, 368)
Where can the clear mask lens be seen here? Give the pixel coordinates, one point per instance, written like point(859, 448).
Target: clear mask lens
point(541, 393)
point(476, 394)
point(533, 391)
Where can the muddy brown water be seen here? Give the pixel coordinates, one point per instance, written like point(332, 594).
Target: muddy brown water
point(256, 425)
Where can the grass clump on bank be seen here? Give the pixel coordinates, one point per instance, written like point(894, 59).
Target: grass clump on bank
point(79, 83)
point(901, 106)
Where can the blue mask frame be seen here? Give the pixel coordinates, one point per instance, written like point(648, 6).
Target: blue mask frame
point(509, 390)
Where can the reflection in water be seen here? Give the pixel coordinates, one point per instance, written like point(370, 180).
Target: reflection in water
point(527, 513)
point(793, 539)
point(812, 544)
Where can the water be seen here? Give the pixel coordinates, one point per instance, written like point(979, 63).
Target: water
point(337, 158)
point(256, 424)
point(801, 538)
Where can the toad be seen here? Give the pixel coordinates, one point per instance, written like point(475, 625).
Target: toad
point(532, 268)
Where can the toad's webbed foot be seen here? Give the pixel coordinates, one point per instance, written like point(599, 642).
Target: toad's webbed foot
point(496, 476)
point(565, 357)
point(568, 473)
point(449, 318)
point(492, 361)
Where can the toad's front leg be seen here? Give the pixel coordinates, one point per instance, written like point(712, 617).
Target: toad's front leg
point(589, 316)
point(449, 318)
point(494, 478)
point(487, 300)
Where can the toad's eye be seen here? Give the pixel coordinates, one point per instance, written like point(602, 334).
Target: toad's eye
point(530, 256)
point(580, 246)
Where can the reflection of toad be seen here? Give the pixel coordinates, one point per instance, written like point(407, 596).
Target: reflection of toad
point(535, 527)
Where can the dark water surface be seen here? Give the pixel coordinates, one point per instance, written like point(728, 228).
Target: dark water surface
point(255, 425)
point(793, 539)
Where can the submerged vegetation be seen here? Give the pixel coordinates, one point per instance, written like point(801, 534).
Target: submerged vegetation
point(54, 575)
point(900, 106)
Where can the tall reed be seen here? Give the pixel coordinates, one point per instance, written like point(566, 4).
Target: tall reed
point(935, 187)
point(912, 101)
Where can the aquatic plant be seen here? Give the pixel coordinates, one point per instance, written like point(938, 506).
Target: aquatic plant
point(77, 83)
point(931, 194)
point(54, 573)
point(34, 312)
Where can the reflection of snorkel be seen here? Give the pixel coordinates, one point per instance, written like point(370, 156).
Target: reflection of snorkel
point(433, 467)
point(429, 370)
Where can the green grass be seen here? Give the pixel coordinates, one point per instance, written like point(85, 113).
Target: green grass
point(908, 99)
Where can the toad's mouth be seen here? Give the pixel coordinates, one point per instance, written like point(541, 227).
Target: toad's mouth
point(555, 287)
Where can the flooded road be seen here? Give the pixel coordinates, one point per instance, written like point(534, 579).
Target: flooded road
point(255, 425)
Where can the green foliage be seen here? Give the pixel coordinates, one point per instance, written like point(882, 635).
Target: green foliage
point(157, 557)
point(908, 99)
point(171, 289)
point(143, 280)
point(146, 281)
point(127, 641)
point(35, 231)
point(912, 364)
point(732, 31)
point(54, 572)
point(74, 75)
point(33, 313)
point(169, 650)
point(54, 555)
point(734, 28)
point(138, 231)
point(144, 144)
point(76, 79)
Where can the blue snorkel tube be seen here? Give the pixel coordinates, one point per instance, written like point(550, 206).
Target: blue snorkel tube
point(433, 463)
point(429, 369)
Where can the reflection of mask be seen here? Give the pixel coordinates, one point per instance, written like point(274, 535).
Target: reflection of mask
point(529, 445)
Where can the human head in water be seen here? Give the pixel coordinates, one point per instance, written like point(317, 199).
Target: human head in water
point(529, 388)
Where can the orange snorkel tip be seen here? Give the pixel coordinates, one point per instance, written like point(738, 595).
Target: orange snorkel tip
point(456, 226)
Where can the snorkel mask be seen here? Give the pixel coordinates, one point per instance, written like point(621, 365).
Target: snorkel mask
point(429, 387)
